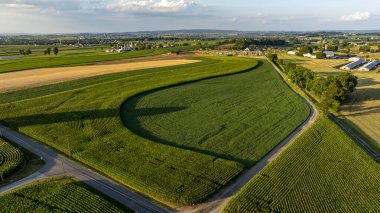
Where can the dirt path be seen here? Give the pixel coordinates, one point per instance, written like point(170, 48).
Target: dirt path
point(31, 78)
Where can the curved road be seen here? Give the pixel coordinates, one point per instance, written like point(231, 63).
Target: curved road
point(59, 165)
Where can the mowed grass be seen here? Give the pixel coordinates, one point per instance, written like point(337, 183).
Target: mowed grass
point(84, 122)
point(58, 195)
point(239, 117)
point(324, 170)
point(362, 110)
point(11, 158)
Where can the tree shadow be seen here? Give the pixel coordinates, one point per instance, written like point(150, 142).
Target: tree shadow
point(59, 117)
point(364, 82)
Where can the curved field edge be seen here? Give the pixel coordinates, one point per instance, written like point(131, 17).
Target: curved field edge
point(324, 170)
point(11, 159)
point(58, 195)
point(85, 124)
point(239, 116)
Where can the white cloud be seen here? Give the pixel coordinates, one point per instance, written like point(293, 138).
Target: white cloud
point(232, 19)
point(358, 16)
point(151, 5)
point(16, 5)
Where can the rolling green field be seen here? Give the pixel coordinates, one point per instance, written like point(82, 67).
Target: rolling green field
point(59, 195)
point(239, 117)
point(84, 122)
point(324, 170)
point(71, 58)
point(11, 158)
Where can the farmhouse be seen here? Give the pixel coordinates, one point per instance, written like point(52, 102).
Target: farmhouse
point(352, 59)
point(329, 54)
point(369, 66)
point(352, 65)
point(291, 53)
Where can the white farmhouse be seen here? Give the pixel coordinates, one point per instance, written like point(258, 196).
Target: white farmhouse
point(291, 53)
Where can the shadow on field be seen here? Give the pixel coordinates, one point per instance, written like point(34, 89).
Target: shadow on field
point(129, 114)
point(363, 82)
point(61, 117)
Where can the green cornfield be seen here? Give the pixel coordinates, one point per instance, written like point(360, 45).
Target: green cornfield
point(239, 117)
point(84, 122)
point(324, 170)
point(58, 195)
point(11, 158)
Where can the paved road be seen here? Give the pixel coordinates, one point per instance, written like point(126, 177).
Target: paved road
point(60, 165)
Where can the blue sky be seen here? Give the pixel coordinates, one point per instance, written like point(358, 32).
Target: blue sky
point(67, 16)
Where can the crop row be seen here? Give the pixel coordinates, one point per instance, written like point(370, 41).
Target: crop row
point(322, 171)
point(11, 158)
point(85, 123)
point(59, 195)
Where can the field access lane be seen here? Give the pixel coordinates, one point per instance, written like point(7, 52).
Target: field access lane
point(60, 165)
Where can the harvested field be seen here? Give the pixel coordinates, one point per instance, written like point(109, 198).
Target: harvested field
point(363, 108)
point(31, 78)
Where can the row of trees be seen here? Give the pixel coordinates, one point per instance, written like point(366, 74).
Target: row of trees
point(48, 51)
point(331, 90)
point(25, 52)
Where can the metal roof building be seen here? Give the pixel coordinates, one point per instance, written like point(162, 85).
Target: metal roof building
point(352, 65)
point(371, 65)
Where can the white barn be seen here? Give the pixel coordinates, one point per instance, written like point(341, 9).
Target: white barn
point(352, 65)
point(329, 54)
point(369, 66)
point(309, 55)
point(352, 59)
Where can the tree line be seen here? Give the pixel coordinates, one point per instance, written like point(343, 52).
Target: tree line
point(331, 90)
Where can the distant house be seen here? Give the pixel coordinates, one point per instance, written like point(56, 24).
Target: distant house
point(247, 49)
point(292, 53)
point(309, 55)
point(352, 59)
point(352, 65)
point(369, 66)
point(329, 54)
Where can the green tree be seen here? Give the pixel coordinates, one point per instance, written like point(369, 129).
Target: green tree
point(28, 52)
point(320, 55)
point(48, 51)
point(22, 52)
point(55, 50)
point(272, 57)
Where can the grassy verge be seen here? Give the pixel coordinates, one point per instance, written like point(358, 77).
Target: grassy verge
point(323, 170)
point(58, 195)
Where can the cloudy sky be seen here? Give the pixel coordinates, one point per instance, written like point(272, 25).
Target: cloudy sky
point(66, 16)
